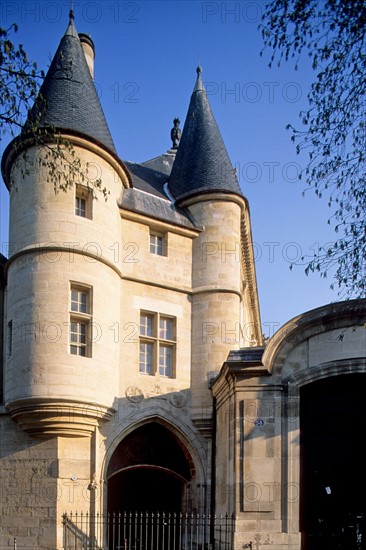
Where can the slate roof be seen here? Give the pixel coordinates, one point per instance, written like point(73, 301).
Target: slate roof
point(246, 355)
point(202, 163)
point(69, 98)
point(148, 196)
point(147, 179)
point(156, 207)
point(163, 163)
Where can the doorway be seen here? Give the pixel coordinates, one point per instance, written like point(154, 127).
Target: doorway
point(148, 476)
point(149, 471)
point(332, 475)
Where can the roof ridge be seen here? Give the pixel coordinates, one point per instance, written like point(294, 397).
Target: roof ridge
point(151, 194)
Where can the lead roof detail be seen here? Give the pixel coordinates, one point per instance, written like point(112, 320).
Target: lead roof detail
point(202, 163)
point(68, 99)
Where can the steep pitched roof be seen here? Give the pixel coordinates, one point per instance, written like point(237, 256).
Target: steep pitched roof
point(147, 195)
point(202, 163)
point(147, 179)
point(159, 208)
point(68, 99)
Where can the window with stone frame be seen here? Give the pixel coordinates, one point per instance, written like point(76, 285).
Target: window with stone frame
point(83, 202)
point(158, 243)
point(80, 336)
point(157, 344)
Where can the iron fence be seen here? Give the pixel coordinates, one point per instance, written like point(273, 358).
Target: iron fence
point(147, 531)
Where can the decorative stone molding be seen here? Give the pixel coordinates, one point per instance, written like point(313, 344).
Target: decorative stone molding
point(47, 417)
point(338, 315)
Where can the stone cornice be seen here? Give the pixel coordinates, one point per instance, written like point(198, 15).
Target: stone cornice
point(212, 289)
point(235, 370)
point(46, 417)
point(250, 275)
point(215, 196)
point(19, 144)
point(146, 219)
point(82, 252)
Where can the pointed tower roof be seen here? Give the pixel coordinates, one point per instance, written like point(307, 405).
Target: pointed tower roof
point(68, 99)
point(202, 163)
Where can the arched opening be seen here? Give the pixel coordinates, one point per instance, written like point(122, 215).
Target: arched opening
point(149, 472)
point(146, 489)
point(333, 474)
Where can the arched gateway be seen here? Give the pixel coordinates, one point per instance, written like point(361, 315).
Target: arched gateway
point(149, 490)
point(293, 413)
point(149, 472)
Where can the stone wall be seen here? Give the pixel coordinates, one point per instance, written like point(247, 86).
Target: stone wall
point(28, 489)
point(258, 418)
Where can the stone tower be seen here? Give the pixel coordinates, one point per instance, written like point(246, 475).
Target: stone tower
point(61, 258)
point(225, 311)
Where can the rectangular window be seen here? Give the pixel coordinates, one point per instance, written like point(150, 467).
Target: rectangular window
point(83, 202)
point(80, 320)
point(80, 207)
point(146, 325)
point(79, 300)
point(78, 338)
point(157, 344)
point(158, 244)
point(165, 328)
point(146, 358)
point(165, 360)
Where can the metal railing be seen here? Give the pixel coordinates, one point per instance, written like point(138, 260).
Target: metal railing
point(147, 531)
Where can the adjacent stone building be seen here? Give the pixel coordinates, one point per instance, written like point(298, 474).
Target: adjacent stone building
point(135, 377)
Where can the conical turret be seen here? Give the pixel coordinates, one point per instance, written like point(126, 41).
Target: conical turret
point(225, 312)
point(68, 99)
point(202, 163)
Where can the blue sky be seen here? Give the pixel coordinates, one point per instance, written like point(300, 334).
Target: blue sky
point(145, 69)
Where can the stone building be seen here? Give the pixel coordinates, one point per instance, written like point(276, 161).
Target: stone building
point(135, 377)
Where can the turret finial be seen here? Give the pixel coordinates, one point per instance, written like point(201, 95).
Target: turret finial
point(71, 31)
point(71, 12)
point(199, 84)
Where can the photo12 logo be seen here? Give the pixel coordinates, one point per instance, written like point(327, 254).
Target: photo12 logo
point(53, 12)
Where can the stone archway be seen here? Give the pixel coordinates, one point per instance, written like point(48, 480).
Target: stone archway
point(149, 471)
point(332, 474)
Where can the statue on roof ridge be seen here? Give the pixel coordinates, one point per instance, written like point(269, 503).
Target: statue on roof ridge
point(175, 133)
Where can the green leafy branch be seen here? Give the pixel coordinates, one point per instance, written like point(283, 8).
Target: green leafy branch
point(332, 34)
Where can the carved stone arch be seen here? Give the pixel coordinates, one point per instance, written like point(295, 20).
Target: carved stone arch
point(189, 438)
point(177, 460)
point(334, 316)
point(326, 370)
